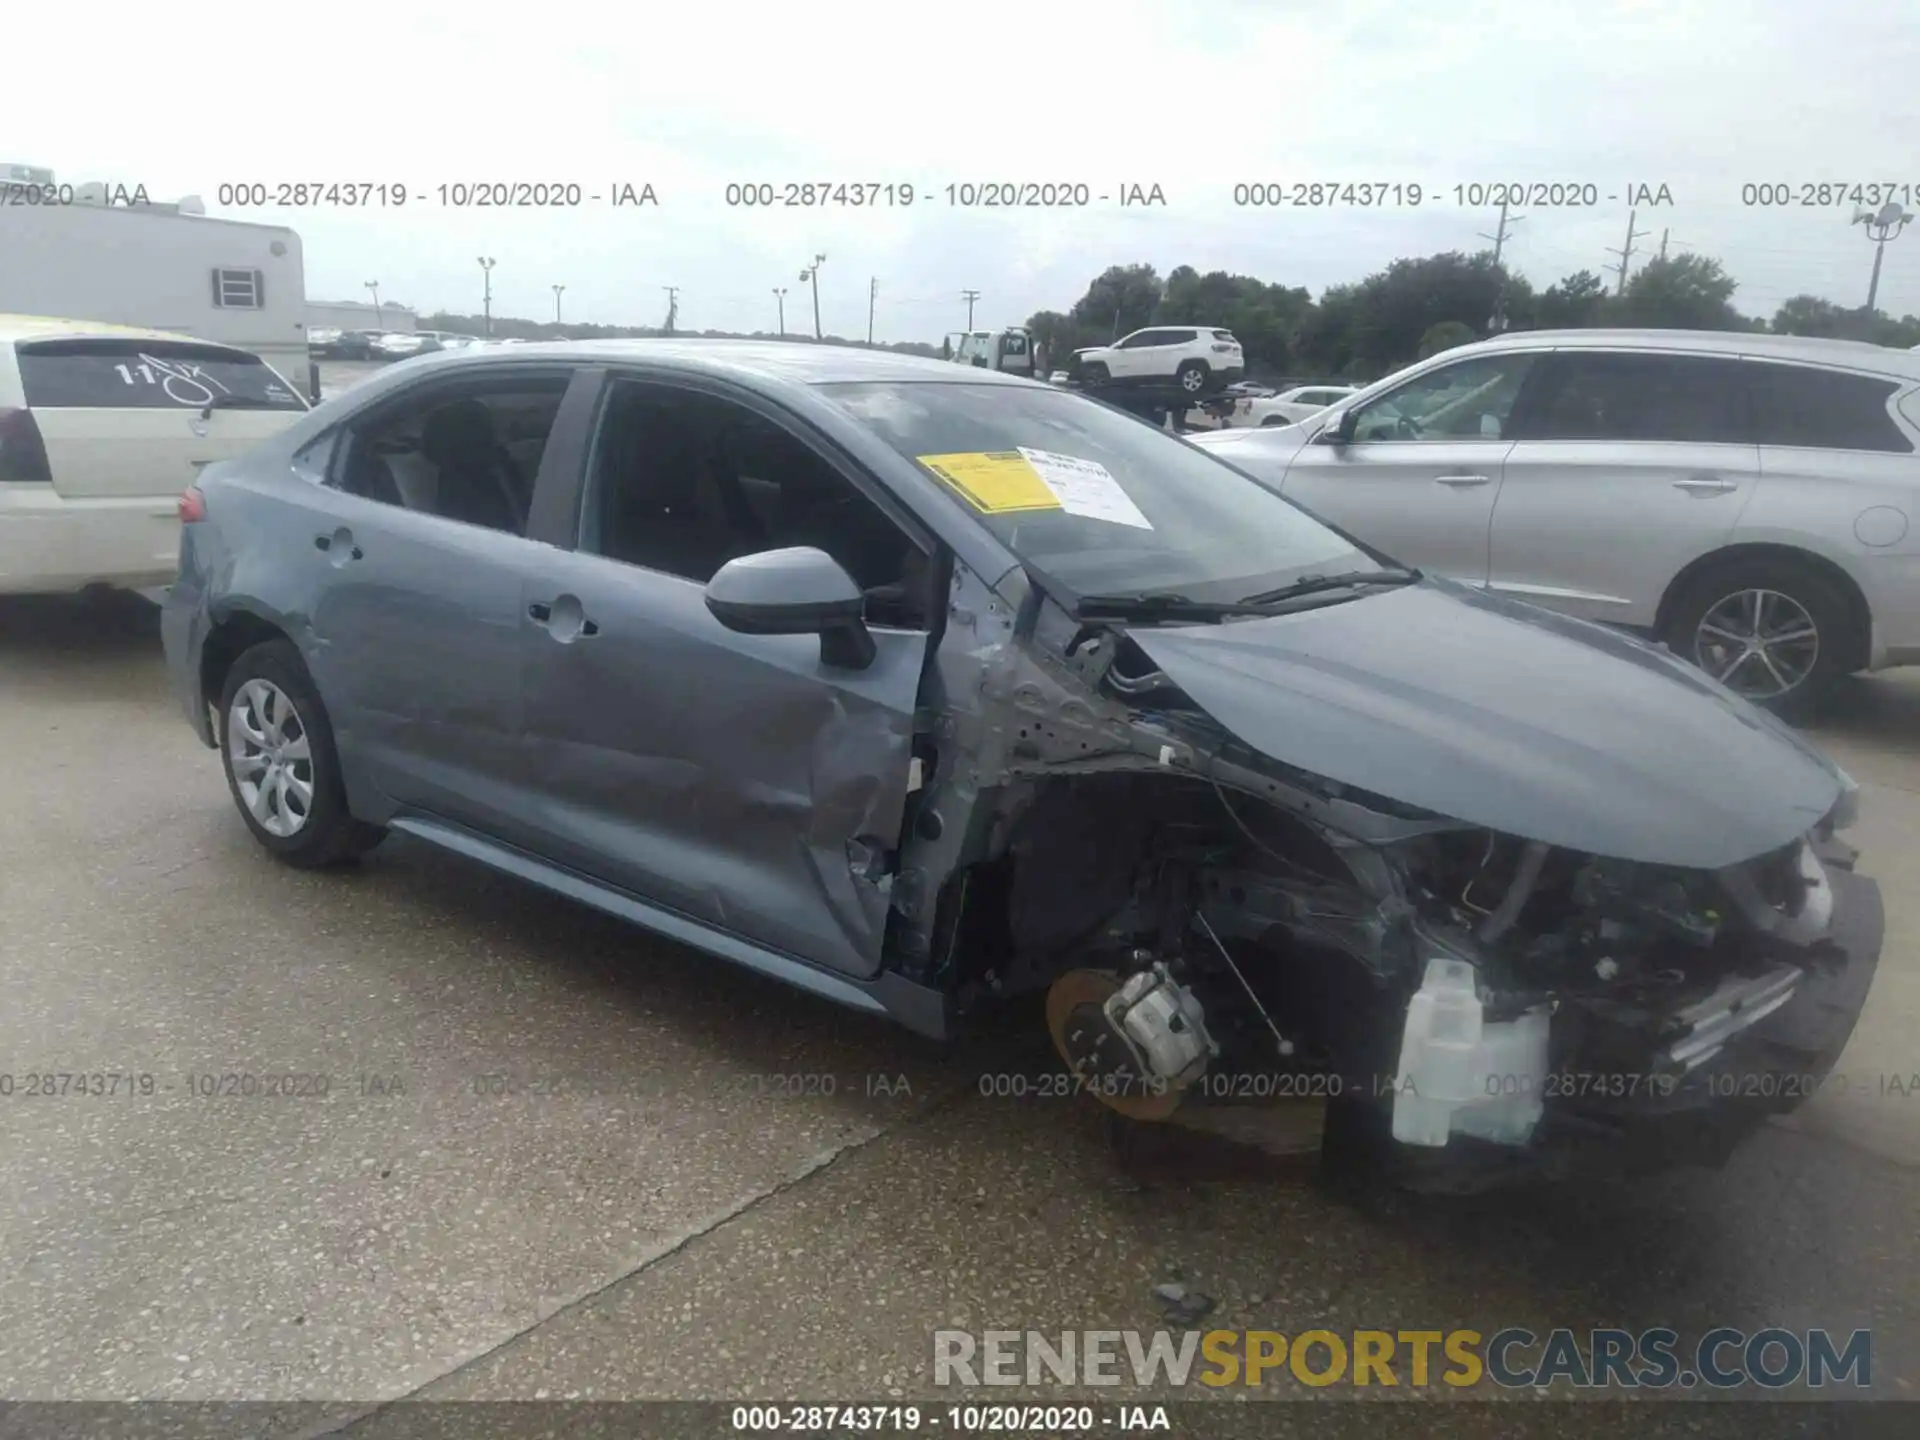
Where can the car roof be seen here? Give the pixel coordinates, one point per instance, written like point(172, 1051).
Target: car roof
point(793, 361)
point(53, 327)
point(1855, 354)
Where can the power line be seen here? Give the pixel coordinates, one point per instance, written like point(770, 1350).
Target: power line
point(1499, 238)
point(1625, 252)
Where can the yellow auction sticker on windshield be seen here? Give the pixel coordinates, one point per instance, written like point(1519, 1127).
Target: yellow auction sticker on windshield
point(994, 482)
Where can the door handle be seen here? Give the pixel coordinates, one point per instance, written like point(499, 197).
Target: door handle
point(1706, 485)
point(563, 618)
point(339, 545)
point(1462, 481)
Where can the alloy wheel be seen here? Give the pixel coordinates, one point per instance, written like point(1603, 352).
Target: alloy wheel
point(1758, 643)
point(271, 758)
point(1191, 381)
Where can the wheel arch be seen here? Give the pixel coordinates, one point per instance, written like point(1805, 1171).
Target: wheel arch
point(1860, 613)
point(235, 633)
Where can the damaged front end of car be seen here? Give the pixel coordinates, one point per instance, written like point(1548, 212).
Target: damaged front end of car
point(1215, 926)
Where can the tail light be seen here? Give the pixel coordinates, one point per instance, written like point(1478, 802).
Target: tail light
point(23, 454)
point(192, 505)
point(1224, 348)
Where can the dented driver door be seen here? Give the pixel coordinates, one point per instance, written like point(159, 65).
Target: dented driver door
point(735, 779)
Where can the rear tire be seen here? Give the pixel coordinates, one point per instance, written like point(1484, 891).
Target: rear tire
point(1805, 631)
point(1192, 377)
point(283, 771)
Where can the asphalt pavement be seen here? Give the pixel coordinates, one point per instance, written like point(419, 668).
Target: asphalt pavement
point(413, 1130)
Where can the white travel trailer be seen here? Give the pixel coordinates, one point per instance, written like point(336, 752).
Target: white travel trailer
point(108, 252)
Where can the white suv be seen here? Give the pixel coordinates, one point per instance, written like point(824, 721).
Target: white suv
point(1195, 359)
point(101, 429)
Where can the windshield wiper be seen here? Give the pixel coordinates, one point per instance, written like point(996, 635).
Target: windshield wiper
point(1314, 584)
point(1162, 607)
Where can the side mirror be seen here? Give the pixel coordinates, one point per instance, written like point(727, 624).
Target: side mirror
point(1341, 431)
point(797, 591)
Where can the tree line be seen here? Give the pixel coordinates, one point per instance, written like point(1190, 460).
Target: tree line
point(1417, 307)
point(1357, 331)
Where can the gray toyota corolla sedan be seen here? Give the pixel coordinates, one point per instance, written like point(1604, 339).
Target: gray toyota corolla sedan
point(920, 687)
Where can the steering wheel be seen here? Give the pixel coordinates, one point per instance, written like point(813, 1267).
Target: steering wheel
point(1406, 427)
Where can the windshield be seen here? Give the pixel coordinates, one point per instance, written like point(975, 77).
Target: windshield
point(1095, 500)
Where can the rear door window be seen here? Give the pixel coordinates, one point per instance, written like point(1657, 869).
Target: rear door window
point(1583, 395)
point(116, 374)
point(1800, 405)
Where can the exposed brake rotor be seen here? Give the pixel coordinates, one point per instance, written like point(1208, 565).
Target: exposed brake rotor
point(1098, 1056)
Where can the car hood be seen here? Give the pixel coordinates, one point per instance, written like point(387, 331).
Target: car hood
point(1270, 450)
point(1499, 714)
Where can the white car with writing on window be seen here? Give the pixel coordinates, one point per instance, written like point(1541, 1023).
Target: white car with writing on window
point(1289, 407)
point(101, 428)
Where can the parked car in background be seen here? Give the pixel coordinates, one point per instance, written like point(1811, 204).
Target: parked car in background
point(1197, 360)
point(101, 428)
point(321, 342)
point(1289, 406)
point(1279, 802)
point(353, 345)
point(402, 345)
point(1248, 390)
point(1750, 500)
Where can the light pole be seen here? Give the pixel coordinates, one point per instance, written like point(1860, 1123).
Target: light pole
point(812, 272)
point(556, 303)
point(486, 302)
point(374, 286)
point(780, 298)
point(1881, 225)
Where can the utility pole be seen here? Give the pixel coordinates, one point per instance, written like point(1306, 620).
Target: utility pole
point(1881, 225)
point(556, 303)
point(1498, 321)
point(1664, 232)
point(873, 294)
point(673, 305)
point(812, 273)
point(1625, 252)
point(486, 302)
point(374, 286)
point(780, 298)
point(969, 296)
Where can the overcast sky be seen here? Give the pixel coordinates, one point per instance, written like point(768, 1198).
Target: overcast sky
point(1701, 96)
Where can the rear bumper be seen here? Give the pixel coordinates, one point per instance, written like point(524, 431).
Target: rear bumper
point(183, 635)
point(1767, 1070)
point(51, 545)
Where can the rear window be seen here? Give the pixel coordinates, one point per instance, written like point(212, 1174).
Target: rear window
point(114, 374)
point(1223, 335)
point(1825, 409)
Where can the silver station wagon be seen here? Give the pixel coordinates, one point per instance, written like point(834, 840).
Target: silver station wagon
point(1747, 499)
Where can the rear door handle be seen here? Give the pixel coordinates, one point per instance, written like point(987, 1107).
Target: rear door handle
point(563, 618)
point(1462, 481)
point(339, 546)
point(1706, 485)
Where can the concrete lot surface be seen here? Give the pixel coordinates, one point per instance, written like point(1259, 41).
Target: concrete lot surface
point(657, 1209)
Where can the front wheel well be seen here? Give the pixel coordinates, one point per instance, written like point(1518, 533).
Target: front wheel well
point(1859, 613)
point(226, 643)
